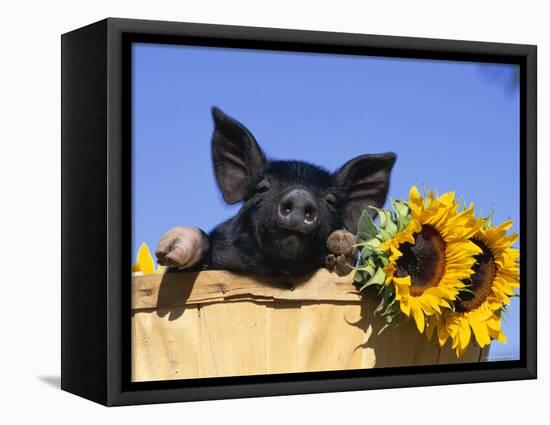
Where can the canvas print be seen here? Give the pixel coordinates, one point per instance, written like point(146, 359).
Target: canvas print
point(301, 212)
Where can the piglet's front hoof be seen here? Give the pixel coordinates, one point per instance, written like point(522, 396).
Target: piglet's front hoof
point(342, 252)
point(181, 247)
point(342, 242)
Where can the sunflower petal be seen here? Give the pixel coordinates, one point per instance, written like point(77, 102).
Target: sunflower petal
point(145, 261)
point(464, 334)
point(419, 319)
point(481, 333)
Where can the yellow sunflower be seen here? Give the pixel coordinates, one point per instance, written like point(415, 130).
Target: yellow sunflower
point(432, 256)
point(145, 263)
point(495, 279)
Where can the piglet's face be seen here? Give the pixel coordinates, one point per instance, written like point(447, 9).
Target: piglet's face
point(291, 207)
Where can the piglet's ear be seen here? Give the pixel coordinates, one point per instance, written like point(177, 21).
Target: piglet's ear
point(365, 182)
point(236, 155)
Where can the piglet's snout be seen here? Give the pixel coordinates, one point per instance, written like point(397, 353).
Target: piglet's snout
point(298, 211)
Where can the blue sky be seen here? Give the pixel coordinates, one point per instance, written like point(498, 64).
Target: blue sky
point(454, 126)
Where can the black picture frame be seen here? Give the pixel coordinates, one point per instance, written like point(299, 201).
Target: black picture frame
point(96, 211)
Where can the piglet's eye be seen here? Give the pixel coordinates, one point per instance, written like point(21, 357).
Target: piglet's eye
point(331, 200)
point(263, 186)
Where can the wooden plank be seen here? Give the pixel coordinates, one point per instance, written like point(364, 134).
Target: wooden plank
point(283, 322)
point(400, 346)
point(471, 355)
point(484, 356)
point(247, 328)
point(232, 339)
point(172, 289)
point(304, 337)
point(331, 337)
point(165, 344)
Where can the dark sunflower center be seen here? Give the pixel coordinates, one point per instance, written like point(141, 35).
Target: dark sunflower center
point(424, 261)
point(481, 281)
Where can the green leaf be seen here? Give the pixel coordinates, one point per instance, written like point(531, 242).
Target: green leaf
point(391, 227)
point(362, 238)
point(382, 217)
point(366, 225)
point(385, 219)
point(373, 243)
point(366, 256)
point(488, 221)
point(403, 221)
point(370, 269)
point(402, 209)
point(375, 279)
point(378, 278)
point(366, 270)
point(365, 286)
point(385, 235)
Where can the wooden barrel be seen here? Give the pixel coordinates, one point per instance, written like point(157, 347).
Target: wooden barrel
point(216, 323)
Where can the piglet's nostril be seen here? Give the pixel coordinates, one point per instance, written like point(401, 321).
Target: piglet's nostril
point(310, 215)
point(285, 208)
point(298, 211)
